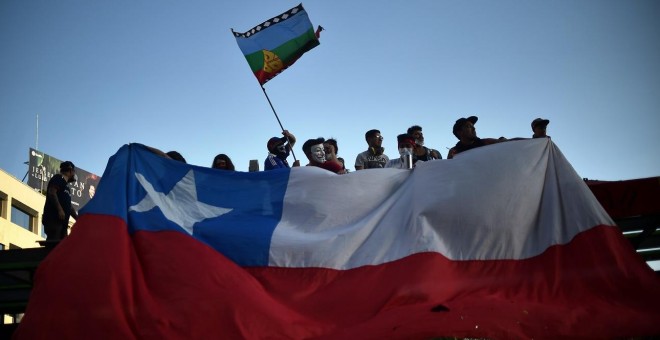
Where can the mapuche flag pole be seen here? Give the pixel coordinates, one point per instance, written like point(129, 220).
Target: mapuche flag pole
point(276, 44)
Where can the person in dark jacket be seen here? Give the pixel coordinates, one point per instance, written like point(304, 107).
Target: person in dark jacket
point(58, 208)
point(467, 137)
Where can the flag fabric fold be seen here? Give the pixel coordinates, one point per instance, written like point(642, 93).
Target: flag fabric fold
point(277, 43)
point(504, 241)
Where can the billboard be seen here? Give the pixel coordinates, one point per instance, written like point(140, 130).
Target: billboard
point(43, 167)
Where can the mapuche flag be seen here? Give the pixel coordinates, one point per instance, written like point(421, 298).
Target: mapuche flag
point(504, 241)
point(278, 42)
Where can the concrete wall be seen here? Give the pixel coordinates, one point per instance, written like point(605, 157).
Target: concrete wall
point(13, 191)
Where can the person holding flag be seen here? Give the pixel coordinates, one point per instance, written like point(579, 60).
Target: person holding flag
point(270, 48)
point(278, 151)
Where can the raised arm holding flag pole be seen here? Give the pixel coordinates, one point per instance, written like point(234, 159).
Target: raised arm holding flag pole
point(276, 44)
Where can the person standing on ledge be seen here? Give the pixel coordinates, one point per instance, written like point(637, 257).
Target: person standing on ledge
point(58, 208)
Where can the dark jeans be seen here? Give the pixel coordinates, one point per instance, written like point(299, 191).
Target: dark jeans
point(55, 230)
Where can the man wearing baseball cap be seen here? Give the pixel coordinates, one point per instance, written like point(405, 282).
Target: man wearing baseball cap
point(538, 126)
point(58, 208)
point(278, 150)
point(467, 136)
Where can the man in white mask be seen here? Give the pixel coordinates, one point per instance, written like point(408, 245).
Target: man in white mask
point(406, 145)
point(315, 152)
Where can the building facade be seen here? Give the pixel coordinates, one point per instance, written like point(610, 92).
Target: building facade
point(21, 208)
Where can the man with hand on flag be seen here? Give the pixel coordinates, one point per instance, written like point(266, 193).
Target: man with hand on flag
point(467, 136)
point(539, 126)
point(278, 151)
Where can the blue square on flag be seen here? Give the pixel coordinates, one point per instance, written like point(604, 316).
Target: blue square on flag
point(233, 212)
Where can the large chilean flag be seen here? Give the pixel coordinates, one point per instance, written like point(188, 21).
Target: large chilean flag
point(504, 241)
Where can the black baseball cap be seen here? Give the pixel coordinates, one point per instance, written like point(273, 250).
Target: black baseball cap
point(461, 121)
point(67, 165)
point(275, 141)
point(539, 121)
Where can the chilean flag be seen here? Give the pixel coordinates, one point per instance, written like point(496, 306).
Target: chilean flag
point(503, 241)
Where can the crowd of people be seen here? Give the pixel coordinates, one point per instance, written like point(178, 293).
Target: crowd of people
point(320, 152)
point(323, 153)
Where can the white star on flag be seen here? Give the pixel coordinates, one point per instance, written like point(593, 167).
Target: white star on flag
point(180, 205)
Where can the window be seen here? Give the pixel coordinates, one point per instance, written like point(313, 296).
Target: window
point(3, 205)
point(20, 217)
point(23, 216)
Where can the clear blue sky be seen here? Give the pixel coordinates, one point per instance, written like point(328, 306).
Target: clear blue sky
point(169, 74)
